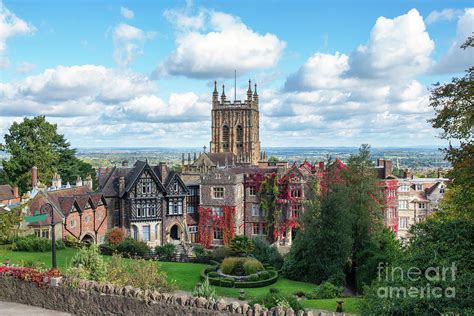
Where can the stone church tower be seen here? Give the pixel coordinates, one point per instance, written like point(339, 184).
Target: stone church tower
point(235, 126)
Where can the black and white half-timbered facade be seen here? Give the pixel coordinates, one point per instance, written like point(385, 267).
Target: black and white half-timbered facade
point(148, 201)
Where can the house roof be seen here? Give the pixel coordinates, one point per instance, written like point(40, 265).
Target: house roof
point(6, 192)
point(222, 159)
point(62, 201)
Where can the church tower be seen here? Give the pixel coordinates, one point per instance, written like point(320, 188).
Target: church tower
point(235, 126)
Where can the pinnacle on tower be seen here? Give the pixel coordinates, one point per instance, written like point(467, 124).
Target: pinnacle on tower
point(215, 87)
point(249, 91)
point(223, 93)
point(255, 93)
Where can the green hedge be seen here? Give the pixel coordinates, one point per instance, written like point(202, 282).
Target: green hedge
point(31, 243)
point(228, 282)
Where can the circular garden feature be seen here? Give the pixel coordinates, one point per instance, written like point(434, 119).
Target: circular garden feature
point(240, 272)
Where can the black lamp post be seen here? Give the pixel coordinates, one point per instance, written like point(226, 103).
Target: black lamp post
point(48, 207)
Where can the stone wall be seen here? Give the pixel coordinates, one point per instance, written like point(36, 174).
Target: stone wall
point(83, 297)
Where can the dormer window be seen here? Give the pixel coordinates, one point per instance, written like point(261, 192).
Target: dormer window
point(419, 187)
point(441, 189)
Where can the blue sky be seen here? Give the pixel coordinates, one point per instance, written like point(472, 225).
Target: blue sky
point(140, 73)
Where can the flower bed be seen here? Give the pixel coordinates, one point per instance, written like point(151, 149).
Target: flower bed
point(29, 274)
point(216, 278)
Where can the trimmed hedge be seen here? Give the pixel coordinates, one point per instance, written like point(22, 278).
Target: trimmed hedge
point(228, 282)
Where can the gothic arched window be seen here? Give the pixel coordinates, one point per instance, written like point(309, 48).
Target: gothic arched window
point(240, 134)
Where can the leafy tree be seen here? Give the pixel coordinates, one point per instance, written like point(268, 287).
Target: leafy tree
point(9, 221)
point(35, 142)
point(365, 200)
point(241, 245)
point(266, 253)
point(321, 250)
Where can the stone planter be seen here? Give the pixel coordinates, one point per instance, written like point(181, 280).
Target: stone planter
point(55, 281)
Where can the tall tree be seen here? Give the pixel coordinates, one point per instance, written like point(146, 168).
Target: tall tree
point(321, 250)
point(36, 142)
point(365, 200)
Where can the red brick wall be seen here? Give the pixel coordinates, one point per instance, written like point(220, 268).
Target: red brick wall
point(89, 222)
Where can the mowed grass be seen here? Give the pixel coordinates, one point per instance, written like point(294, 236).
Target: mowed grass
point(350, 305)
point(187, 275)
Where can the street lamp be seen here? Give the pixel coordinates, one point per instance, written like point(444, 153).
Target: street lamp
point(48, 207)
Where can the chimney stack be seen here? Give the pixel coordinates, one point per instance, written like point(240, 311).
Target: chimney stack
point(163, 171)
point(34, 176)
point(125, 163)
point(78, 181)
point(15, 192)
point(321, 165)
point(121, 185)
point(88, 182)
point(388, 168)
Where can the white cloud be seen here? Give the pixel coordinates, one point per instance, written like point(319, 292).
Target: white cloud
point(128, 43)
point(217, 52)
point(320, 71)
point(368, 96)
point(443, 15)
point(25, 67)
point(457, 59)
point(10, 26)
point(126, 13)
point(96, 105)
point(398, 47)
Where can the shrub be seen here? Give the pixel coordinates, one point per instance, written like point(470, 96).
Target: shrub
point(138, 273)
point(37, 265)
point(87, 263)
point(253, 277)
point(166, 252)
point(213, 274)
point(72, 242)
point(238, 265)
point(266, 253)
point(107, 249)
point(205, 290)
point(264, 275)
point(32, 243)
point(274, 290)
point(201, 253)
point(115, 236)
point(270, 300)
point(221, 253)
point(60, 244)
point(130, 247)
point(241, 245)
point(252, 266)
point(328, 290)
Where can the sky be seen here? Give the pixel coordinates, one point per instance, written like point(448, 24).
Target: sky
point(140, 73)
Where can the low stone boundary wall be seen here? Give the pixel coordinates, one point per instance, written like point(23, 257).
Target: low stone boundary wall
point(83, 297)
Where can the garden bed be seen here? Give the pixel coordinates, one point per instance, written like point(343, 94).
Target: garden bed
point(234, 281)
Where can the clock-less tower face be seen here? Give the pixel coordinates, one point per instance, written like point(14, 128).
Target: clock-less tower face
point(235, 126)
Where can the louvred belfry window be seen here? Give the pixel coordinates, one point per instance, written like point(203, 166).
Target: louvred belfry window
point(225, 136)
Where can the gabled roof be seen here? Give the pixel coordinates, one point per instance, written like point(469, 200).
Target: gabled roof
point(6, 192)
point(139, 168)
point(110, 186)
point(171, 178)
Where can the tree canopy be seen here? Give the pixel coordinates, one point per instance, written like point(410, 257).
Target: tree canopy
point(36, 142)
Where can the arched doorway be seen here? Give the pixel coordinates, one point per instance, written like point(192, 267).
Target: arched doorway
point(174, 232)
point(88, 239)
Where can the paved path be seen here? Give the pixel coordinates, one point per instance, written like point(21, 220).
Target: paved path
point(15, 309)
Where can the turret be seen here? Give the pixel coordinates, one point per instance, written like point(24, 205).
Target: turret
point(215, 94)
point(223, 94)
point(255, 94)
point(249, 92)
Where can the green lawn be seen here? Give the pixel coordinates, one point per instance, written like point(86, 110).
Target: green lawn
point(350, 305)
point(187, 275)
